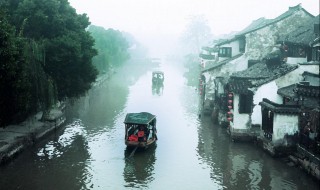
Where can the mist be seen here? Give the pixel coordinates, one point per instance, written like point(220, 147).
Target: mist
point(160, 24)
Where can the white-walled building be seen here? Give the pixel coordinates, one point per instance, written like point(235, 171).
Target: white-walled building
point(251, 86)
point(280, 126)
point(281, 123)
point(244, 49)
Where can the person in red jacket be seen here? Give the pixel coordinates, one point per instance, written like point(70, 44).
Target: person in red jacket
point(141, 135)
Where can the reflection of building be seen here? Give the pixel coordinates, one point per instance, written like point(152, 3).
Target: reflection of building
point(139, 168)
point(213, 142)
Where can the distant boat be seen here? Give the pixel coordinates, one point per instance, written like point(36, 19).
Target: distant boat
point(140, 129)
point(157, 77)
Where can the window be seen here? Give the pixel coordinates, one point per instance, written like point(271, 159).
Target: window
point(225, 52)
point(245, 103)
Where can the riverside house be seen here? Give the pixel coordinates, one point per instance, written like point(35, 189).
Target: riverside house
point(261, 82)
point(241, 51)
point(281, 121)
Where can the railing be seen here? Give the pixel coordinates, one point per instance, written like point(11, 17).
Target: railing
point(267, 135)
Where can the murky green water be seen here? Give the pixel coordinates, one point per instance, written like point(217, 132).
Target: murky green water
point(89, 153)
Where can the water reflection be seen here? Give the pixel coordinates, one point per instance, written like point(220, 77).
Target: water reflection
point(213, 149)
point(60, 163)
point(157, 89)
point(65, 159)
point(192, 153)
point(139, 169)
point(244, 165)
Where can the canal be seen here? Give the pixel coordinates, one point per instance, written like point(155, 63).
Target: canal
point(191, 153)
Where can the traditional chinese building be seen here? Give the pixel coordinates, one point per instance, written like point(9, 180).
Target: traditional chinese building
point(242, 50)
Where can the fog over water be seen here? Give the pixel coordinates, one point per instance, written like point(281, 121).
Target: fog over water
point(191, 153)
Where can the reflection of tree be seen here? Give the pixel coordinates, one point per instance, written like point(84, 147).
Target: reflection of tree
point(157, 89)
point(102, 103)
point(58, 165)
point(77, 153)
point(139, 168)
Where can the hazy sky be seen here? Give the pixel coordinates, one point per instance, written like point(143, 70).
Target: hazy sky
point(152, 18)
point(170, 16)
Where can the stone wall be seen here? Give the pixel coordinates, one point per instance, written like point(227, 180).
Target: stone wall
point(260, 42)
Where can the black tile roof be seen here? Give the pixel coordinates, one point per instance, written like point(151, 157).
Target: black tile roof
point(303, 34)
point(206, 56)
point(258, 75)
point(262, 22)
point(306, 90)
point(220, 63)
point(279, 108)
point(310, 94)
point(288, 91)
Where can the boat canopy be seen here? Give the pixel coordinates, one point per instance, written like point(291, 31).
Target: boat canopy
point(139, 118)
point(158, 72)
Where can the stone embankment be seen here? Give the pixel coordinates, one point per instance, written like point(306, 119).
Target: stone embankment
point(16, 138)
point(307, 161)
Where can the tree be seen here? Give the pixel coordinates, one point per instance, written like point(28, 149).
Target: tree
point(68, 47)
point(196, 34)
point(16, 100)
point(46, 54)
point(111, 45)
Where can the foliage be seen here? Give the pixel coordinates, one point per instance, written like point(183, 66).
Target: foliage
point(111, 45)
point(196, 34)
point(191, 62)
point(46, 55)
point(15, 87)
point(67, 46)
point(43, 89)
point(70, 64)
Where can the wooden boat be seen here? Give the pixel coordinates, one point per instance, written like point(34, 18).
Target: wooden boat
point(140, 129)
point(157, 77)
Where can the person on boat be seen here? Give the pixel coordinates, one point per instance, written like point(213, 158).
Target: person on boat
point(141, 136)
point(133, 137)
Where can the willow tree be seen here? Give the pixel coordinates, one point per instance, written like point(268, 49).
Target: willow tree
point(43, 89)
point(68, 47)
point(18, 97)
point(49, 58)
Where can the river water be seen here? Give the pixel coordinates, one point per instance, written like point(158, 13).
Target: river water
point(191, 153)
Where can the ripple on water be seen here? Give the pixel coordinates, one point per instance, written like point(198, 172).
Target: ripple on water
point(55, 149)
point(254, 174)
